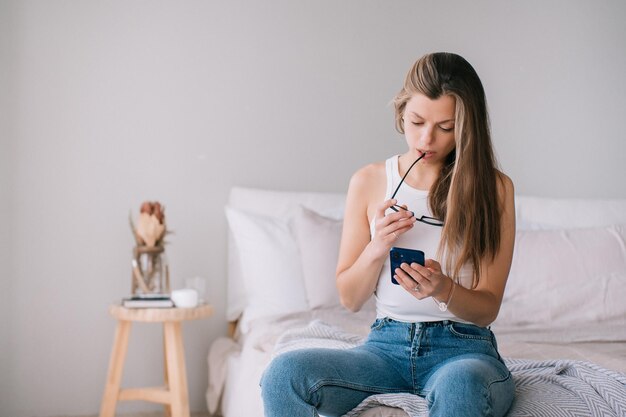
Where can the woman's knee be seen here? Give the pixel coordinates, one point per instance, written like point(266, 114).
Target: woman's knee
point(476, 386)
point(280, 368)
point(286, 372)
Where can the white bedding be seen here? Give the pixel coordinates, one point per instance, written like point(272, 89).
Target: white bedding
point(336, 327)
point(247, 358)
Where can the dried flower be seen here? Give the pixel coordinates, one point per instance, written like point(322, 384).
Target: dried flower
point(150, 229)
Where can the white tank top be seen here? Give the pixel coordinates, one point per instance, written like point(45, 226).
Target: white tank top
point(392, 300)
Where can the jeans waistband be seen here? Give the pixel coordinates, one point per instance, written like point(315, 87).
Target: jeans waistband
point(427, 324)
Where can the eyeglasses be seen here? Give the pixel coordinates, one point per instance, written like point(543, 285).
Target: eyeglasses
point(424, 219)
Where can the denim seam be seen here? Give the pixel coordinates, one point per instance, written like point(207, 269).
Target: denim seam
point(415, 331)
point(497, 381)
point(487, 393)
point(413, 364)
point(465, 336)
point(489, 412)
point(343, 384)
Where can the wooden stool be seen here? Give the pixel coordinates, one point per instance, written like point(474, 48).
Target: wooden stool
point(174, 395)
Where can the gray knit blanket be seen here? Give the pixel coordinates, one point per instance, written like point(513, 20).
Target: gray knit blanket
point(551, 388)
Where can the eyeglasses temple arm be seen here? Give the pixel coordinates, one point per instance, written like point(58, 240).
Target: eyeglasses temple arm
point(405, 174)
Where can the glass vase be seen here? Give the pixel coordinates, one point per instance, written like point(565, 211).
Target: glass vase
point(150, 275)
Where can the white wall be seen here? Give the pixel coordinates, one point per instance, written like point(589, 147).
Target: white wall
point(112, 103)
point(6, 168)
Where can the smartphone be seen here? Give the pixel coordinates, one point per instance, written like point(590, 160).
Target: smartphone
point(399, 256)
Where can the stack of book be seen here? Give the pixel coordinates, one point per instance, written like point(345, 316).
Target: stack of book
point(148, 301)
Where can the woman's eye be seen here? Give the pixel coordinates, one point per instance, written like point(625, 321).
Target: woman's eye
point(418, 123)
point(446, 129)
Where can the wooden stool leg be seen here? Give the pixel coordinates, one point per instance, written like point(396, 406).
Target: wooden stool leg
point(116, 366)
point(168, 407)
point(176, 371)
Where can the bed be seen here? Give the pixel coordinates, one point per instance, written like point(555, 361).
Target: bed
point(561, 328)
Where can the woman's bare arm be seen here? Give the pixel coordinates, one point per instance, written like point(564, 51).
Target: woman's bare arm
point(361, 257)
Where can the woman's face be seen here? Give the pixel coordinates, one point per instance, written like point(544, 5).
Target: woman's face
point(429, 127)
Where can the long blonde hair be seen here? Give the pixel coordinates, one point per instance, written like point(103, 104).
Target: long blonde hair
point(465, 195)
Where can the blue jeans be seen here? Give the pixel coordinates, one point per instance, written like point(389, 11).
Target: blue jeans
point(455, 366)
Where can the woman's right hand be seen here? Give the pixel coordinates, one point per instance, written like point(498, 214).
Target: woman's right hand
point(389, 227)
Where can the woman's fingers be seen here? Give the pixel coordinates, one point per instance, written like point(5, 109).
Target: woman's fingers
point(430, 268)
point(390, 226)
point(383, 207)
point(410, 283)
point(423, 281)
point(398, 227)
point(381, 212)
point(432, 264)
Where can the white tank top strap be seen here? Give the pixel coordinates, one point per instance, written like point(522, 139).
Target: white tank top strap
point(391, 165)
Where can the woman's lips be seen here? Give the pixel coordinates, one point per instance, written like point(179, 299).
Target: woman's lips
point(427, 154)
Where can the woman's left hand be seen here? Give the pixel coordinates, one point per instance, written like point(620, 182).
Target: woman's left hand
point(423, 281)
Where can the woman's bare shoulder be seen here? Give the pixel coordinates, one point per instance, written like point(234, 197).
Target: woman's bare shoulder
point(506, 193)
point(369, 175)
point(506, 189)
point(367, 188)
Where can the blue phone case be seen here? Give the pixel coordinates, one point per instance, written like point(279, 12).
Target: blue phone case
point(399, 256)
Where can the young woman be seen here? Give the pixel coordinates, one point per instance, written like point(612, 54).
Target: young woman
point(445, 197)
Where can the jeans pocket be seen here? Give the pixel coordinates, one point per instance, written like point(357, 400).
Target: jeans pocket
point(470, 331)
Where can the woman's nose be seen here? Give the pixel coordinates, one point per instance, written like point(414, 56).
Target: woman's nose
point(428, 136)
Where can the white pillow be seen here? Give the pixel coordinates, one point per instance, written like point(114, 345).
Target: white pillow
point(275, 204)
point(567, 278)
point(318, 240)
point(270, 265)
point(542, 213)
